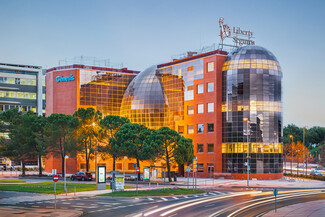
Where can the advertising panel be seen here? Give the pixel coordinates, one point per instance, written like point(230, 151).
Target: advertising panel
point(146, 174)
point(101, 174)
point(119, 185)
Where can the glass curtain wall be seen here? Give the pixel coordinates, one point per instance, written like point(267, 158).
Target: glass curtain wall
point(251, 90)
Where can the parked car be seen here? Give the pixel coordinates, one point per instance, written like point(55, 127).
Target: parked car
point(315, 173)
point(82, 176)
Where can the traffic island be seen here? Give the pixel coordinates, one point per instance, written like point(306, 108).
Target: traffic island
point(155, 192)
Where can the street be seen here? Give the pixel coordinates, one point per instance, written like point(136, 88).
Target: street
point(219, 202)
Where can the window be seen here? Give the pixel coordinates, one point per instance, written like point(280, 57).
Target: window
point(181, 129)
point(200, 168)
point(210, 87)
point(131, 166)
point(210, 66)
point(190, 129)
point(119, 166)
point(190, 110)
point(211, 107)
point(200, 88)
point(188, 95)
point(190, 68)
point(199, 148)
point(210, 128)
point(210, 148)
point(200, 108)
point(200, 128)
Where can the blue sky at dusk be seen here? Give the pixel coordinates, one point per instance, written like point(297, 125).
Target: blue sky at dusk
point(142, 33)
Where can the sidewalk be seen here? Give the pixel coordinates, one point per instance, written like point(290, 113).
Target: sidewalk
point(311, 209)
point(231, 183)
point(36, 212)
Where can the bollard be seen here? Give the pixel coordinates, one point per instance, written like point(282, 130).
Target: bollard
point(149, 185)
point(157, 184)
point(74, 190)
point(66, 191)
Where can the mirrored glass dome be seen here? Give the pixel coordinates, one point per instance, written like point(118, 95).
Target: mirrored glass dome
point(144, 101)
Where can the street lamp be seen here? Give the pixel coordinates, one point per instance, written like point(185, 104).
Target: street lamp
point(96, 175)
point(291, 137)
point(125, 157)
point(248, 167)
point(65, 170)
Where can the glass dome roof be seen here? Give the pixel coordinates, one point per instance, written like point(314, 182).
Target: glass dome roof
point(144, 101)
point(251, 52)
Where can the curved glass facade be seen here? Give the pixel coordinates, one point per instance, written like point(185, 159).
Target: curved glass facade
point(251, 90)
point(144, 101)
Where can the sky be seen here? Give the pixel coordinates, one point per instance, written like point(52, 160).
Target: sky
point(142, 33)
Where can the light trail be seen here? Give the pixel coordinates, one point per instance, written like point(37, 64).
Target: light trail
point(259, 199)
point(198, 200)
point(265, 201)
point(204, 201)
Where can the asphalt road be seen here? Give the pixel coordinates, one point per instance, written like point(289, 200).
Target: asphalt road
point(214, 203)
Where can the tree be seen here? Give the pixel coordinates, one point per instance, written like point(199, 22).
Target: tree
point(184, 153)
point(34, 126)
point(88, 131)
point(110, 125)
point(60, 134)
point(134, 142)
point(167, 139)
point(17, 147)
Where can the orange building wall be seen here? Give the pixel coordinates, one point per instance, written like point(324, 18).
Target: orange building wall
point(61, 97)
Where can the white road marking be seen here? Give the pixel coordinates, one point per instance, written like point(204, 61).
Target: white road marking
point(163, 198)
point(191, 203)
point(175, 198)
point(149, 198)
point(185, 196)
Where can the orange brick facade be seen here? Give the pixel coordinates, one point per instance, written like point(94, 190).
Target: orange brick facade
point(63, 97)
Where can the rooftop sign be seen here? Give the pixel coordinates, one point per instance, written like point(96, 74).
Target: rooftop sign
point(62, 79)
point(239, 36)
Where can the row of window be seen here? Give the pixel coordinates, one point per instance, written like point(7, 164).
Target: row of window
point(19, 95)
point(200, 108)
point(210, 166)
point(209, 148)
point(189, 93)
point(20, 108)
point(200, 88)
point(22, 81)
point(199, 127)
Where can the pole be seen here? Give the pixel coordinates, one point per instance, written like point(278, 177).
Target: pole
point(193, 175)
point(96, 172)
point(65, 169)
point(137, 183)
point(54, 195)
point(303, 148)
point(275, 203)
point(248, 166)
point(188, 179)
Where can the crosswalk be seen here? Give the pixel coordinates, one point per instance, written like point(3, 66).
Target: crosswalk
point(91, 204)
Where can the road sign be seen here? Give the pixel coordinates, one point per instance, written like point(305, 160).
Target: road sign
point(138, 170)
point(55, 178)
point(188, 169)
point(135, 165)
point(248, 168)
point(275, 192)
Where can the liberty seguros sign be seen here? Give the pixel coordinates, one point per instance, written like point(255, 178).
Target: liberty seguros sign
point(239, 36)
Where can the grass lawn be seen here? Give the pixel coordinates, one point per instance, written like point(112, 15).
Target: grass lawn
point(10, 181)
point(157, 192)
point(48, 187)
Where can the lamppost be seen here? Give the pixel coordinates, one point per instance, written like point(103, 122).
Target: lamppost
point(96, 175)
point(303, 148)
point(291, 136)
point(65, 171)
point(125, 157)
point(248, 167)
